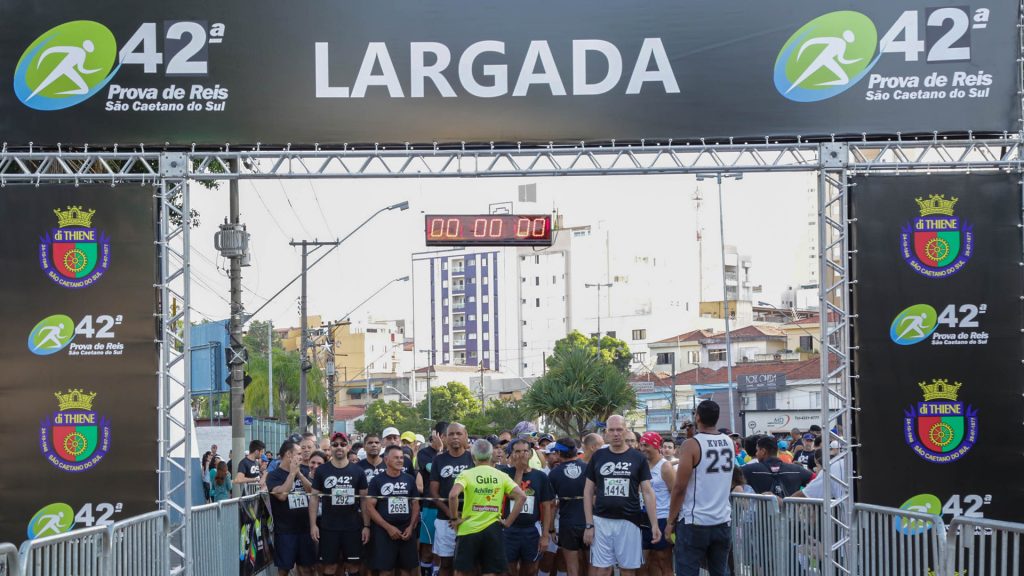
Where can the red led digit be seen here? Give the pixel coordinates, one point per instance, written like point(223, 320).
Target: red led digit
point(522, 228)
point(436, 228)
point(538, 231)
point(452, 229)
point(480, 228)
point(491, 232)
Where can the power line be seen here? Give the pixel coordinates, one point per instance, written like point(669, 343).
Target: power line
point(316, 197)
point(271, 214)
point(289, 200)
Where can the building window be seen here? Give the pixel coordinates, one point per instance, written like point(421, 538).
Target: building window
point(524, 300)
point(611, 333)
point(445, 338)
point(485, 299)
point(538, 302)
point(807, 343)
point(554, 279)
point(523, 280)
point(444, 284)
point(640, 334)
point(484, 262)
point(666, 358)
point(487, 336)
point(815, 399)
point(487, 355)
point(536, 259)
point(472, 336)
point(593, 334)
point(716, 356)
point(766, 401)
point(693, 356)
point(536, 280)
point(485, 280)
point(524, 344)
point(524, 322)
point(472, 298)
point(487, 317)
point(472, 317)
point(639, 357)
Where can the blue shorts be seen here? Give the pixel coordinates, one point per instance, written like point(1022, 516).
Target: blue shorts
point(646, 535)
point(290, 549)
point(522, 544)
point(427, 517)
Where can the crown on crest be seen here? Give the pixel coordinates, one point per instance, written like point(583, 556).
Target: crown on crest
point(940, 389)
point(937, 204)
point(75, 399)
point(74, 216)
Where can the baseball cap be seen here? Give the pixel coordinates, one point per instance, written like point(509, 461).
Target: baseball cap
point(337, 435)
point(545, 438)
point(651, 439)
point(834, 444)
point(408, 437)
point(783, 445)
point(390, 431)
point(808, 436)
point(420, 439)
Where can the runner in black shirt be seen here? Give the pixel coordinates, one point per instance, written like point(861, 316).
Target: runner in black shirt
point(249, 467)
point(616, 476)
point(374, 463)
point(769, 475)
point(523, 547)
point(443, 471)
point(394, 516)
point(289, 504)
point(428, 510)
point(343, 529)
point(804, 454)
point(568, 480)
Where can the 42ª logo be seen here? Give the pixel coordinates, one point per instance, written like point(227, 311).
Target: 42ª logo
point(834, 51)
point(59, 331)
point(70, 63)
point(954, 325)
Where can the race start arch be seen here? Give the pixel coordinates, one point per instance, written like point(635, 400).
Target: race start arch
point(147, 98)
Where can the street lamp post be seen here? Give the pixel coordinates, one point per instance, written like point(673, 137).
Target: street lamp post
point(430, 407)
point(598, 286)
point(719, 176)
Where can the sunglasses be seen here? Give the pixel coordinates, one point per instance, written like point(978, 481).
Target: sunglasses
point(339, 444)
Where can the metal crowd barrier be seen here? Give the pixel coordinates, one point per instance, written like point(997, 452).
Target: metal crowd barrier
point(215, 537)
point(979, 546)
point(800, 551)
point(138, 546)
point(893, 542)
point(9, 560)
point(80, 552)
point(755, 522)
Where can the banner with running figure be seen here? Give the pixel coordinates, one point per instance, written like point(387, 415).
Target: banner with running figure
point(940, 382)
point(471, 71)
point(78, 394)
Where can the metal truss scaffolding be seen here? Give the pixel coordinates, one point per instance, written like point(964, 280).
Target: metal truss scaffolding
point(175, 424)
point(170, 171)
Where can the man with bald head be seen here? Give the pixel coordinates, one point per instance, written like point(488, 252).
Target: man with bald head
point(616, 477)
point(445, 468)
point(591, 443)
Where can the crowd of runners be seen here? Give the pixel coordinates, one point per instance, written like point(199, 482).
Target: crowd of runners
point(521, 502)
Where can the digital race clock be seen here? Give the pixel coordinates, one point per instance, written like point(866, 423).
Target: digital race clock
point(488, 230)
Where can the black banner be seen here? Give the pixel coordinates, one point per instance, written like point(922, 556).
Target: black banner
point(478, 71)
point(941, 384)
point(255, 541)
point(78, 399)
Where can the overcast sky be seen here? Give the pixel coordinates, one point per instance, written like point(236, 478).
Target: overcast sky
point(766, 217)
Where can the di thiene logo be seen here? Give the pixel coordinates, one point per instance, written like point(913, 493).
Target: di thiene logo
point(66, 65)
point(74, 254)
point(75, 438)
point(938, 244)
point(941, 429)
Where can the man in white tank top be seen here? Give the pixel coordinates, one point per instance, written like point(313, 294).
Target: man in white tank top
point(658, 555)
point(700, 511)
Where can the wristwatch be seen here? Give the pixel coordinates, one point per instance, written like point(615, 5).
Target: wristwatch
point(588, 526)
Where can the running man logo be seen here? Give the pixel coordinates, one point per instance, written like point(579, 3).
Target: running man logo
point(52, 519)
point(51, 335)
point(923, 504)
point(66, 65)
point(827, 56)
point(913, 325)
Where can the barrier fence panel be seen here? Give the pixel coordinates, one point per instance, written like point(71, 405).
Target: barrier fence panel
point(139, 545)
point(229, 534)
point(755, 528)
point(81, 552)
point(800, 549)
point(897, 542)
point(207, 551)
point(9, 560)
point(979, 546)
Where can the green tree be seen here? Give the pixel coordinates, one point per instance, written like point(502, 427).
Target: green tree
point(452, 402)
point(286, 387)
point(255, 339)
point(581, 385)
point(497, 416)
point(613, 350)
point(381, 413)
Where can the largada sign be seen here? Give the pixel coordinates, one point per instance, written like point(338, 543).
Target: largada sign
point(451, 71)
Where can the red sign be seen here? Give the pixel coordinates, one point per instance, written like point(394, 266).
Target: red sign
point(488, 230)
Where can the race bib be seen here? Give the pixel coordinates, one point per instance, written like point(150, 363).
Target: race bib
point(618, 487)
point(528, 505)
point(397, 505)
point(343, 496)
point(297, 500)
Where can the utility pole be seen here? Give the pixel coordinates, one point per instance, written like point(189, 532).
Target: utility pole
point(270, 367)
point(430, 396)
point(483, 398)
point(598, 286)
point(232, 241)
point(304, 363)
point(330, 377)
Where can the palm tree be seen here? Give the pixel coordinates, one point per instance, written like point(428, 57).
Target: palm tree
point(579, 387)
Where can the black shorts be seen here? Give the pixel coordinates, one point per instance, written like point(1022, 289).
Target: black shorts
point(292, 549)
point(337, 546)
point(571, 537)
point(482, 550)
point(388, 555)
